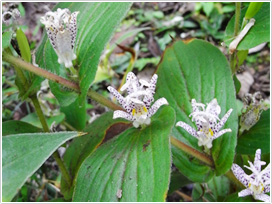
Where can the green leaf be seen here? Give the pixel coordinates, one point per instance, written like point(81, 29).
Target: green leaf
point(258, 34)
point(6, 38)
point(136, 163)
point(198, 70)
point(23, 45)
point(207, 7)
point(252, 9)
point(33, 119)
point(177, 181)
point(237, 84)
point(75, 114)
point(23, 154)
point(234, 198)
point(257, 137)
point(16, 127)
point(83, 146)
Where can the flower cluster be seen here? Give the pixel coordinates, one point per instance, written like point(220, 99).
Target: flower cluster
point(257, 183)
point(207, 122)
point(138, 101)
point(61, 28)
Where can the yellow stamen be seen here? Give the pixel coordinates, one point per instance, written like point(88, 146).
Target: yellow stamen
point(211, 132)
point(145, 109)
point(249, 184)
point(133, 111)
point(51, 28)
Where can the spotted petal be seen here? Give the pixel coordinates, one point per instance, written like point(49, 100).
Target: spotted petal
point(120, 99)
point(223, 121)
point(72, 26)
point(188, 128)
point(148, 99)
point(122, 114)
point(263, 197)
point(156, 106)
point(244, 193)
point(222, 132)
point(240, 174)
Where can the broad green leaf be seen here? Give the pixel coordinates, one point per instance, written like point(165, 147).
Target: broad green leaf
point(6, 38)
point(83, 146)
point(75, 114)
point(33, 119)
point(258, 34)
point(23, 154)
point(237, 84)
point(198, 70)
point(136, 163)
point(23, 45)
point(257, 137)
point(252, 9)
point(17, 127)
point(96, 23)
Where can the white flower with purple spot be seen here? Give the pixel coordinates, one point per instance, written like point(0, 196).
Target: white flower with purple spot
point(61, 28)
point(207, 122)
point(137, 103)
point(257, 183)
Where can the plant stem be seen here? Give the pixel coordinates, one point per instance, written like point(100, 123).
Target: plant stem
point(38, 71)
point(189, 150)
point(184, 196)
point(236, 30)
point(56, 155)
point(231, 177)
point(39, 112)
point(102, 100)
point(41, 72)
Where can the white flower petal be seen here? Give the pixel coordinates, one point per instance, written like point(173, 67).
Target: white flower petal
point(188, 128)
point(244, 193)
point(72, 26)
point(120, 99)
point(257, 160)
point(263, 197)
point(213, 107)
point(221, 133)
point(240, 174)
point(122, 114)
point(223, 121)
point(156, 106)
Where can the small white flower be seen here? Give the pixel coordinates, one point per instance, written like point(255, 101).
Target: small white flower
point(61, 28)
point(257, 183)
point(138, 101)
point(206, 122)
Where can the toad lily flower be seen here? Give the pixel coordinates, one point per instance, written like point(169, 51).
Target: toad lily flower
point(257, 183)
point(61, 28)
point(138, 101)
point(206, 122)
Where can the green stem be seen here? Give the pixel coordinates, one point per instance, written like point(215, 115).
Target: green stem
point(38, 71)
point(236, 30)
point(189, 150)
point(102, 100)
point(39, 112)
point(74, 71)
point(41, 72)
point(55, 155)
